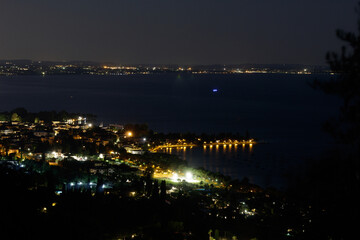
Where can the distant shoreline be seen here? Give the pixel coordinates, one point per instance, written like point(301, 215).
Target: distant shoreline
point(41, 68)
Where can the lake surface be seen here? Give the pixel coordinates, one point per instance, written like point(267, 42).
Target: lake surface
point(278, 108)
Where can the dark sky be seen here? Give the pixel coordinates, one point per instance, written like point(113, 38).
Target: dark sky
point(174, 31)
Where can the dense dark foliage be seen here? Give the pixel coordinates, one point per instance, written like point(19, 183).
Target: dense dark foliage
point(332, 185)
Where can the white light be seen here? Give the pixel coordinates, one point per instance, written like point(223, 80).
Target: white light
point(72, 184)
point(175, 177)
point(101, 155)
point(189, 176)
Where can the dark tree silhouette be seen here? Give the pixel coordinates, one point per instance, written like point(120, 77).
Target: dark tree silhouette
point(148, 185)
point(346, 85)
point(155, 189)
point(163, 190)
point(335, 181)
point(99, 186)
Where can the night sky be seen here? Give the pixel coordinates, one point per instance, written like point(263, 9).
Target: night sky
point(174, 31)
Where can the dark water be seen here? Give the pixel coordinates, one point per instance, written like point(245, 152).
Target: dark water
point(281, 109)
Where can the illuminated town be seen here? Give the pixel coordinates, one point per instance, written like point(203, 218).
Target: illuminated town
point(71, 159)
point(28, 67)
point(179, 120)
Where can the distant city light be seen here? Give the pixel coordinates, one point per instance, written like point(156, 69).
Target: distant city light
point(215, 90)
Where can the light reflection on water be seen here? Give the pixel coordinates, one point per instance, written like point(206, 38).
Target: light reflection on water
point(237, 161)
point(278, 108)
point(263, 164)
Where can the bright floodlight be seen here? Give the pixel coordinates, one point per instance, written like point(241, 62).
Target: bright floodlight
point(189, 177)
point(175, 177)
